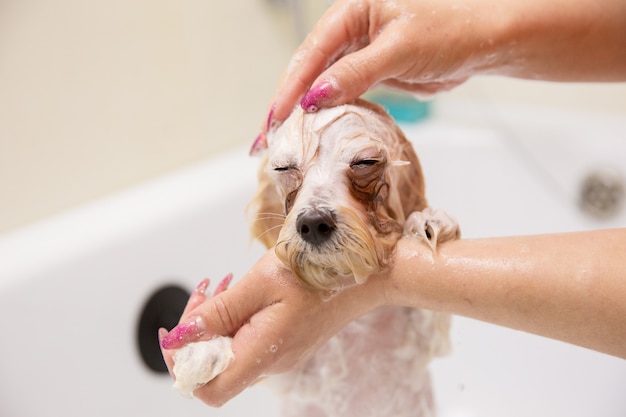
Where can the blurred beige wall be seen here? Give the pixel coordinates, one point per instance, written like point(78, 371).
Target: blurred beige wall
point(97, 96)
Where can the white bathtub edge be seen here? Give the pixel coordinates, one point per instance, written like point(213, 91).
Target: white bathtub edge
point(71, 233)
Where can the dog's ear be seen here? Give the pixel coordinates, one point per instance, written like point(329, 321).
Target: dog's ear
point(265, 211)
point(409, 181)
point(406, 182)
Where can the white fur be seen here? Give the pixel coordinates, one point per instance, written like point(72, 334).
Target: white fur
point(377, 365)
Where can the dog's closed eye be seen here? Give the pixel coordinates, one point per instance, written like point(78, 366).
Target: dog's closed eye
point(289, 178)
point(365, 177)
point(284, 168)
point(364, 162)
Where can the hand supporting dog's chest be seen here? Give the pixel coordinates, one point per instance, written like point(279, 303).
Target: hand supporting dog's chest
point(335, 192)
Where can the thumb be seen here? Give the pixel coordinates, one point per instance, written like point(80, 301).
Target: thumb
point(219, 315)
point(351, 76)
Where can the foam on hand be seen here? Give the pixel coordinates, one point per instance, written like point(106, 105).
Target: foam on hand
point(195, 364)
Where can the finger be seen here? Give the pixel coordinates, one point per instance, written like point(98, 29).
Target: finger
point(384, 59)
point(259, 144)
point(167, 354)
point(196, 298)
point(221, 315)
point(343, 27)
point(223, 285)
point(256, 349)
point(188, 327)
point(269, 342)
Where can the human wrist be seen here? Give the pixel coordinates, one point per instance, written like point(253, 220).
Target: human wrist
point(493, 43)
point(406, 280)
point(533, 39)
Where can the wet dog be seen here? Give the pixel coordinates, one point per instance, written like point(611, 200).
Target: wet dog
point(337, 189)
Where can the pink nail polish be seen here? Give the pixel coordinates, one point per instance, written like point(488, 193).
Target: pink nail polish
point(202, 286)
point(269, 118)
point(260, 143)
point(315, 98)
point(223, 285)
point(162, 333)
point(184, 333)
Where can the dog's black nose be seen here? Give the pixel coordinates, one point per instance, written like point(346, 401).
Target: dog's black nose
point(316, 225)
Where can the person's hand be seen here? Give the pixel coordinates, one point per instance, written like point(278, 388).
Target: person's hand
point(418, 46)
point(275, 323)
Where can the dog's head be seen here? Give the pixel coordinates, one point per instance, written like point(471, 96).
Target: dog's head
point(335, 188)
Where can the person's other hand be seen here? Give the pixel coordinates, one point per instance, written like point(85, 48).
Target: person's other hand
point(419, 46)
point(275, 323)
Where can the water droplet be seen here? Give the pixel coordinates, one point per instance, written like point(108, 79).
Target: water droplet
point(273, 348)
point(258, 360)
point(328, 294)
point(280, 341)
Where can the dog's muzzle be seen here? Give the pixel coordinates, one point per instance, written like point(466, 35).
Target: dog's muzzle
point(316, 225)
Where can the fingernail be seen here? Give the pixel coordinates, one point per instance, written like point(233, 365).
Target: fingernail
point(317, 96)
point(269, 118)
point(184, 333)
point(162, 333)
point(202, 286)
point(260, 143)
point(271, 123)
point(223, 285)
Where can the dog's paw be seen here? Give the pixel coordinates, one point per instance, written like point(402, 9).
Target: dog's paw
point(432, 226)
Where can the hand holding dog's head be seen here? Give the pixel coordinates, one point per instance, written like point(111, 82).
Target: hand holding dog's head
point(335, 188)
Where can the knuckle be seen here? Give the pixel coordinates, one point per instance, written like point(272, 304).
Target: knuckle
point(355, 71)
point(225, 317)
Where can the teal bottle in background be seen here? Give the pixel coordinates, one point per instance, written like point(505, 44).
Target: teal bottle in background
point(403, 107)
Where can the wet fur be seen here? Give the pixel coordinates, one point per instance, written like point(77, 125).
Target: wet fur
point(380, 206)
point(377, 366)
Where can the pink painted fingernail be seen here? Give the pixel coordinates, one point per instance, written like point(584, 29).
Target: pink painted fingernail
point(317, 97)
point(184, 333)
point(260, 143)
point(162, 333)
point(269, 118)
point(271, 123)
point(202, 286)
point(223, 285)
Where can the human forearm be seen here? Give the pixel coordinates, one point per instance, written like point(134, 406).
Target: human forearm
point(560, 40)
point(428, 46)
point(569, 287)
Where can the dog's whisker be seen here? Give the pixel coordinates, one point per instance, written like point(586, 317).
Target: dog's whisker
point(274, 219)
point(278, 226)
point(282, 219)
point(272, 213)
point(270, 218)
point(267, 216)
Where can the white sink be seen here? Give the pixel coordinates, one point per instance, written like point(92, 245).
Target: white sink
point(72, 288)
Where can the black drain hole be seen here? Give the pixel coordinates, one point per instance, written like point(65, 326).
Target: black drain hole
point(163, 309)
